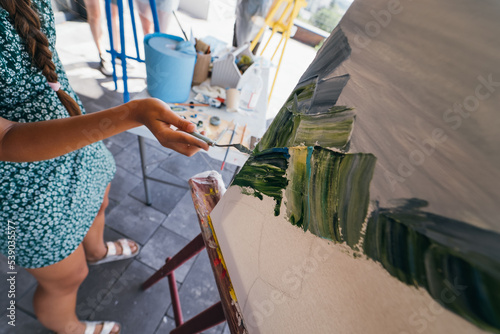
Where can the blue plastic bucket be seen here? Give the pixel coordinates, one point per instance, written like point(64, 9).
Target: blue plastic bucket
point(169, 72)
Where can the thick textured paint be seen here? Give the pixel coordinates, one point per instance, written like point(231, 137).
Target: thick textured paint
point(334, 52)
point(264, 174)
point(332, 129)
point(322, 186)
point(318, 186)
point(441, 255)
point(309, 118)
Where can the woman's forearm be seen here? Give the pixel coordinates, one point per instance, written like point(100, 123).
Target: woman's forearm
point(24, 142)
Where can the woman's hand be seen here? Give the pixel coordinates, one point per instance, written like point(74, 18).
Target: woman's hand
point(159, 119)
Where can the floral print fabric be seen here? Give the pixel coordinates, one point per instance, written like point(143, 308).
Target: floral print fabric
point(51, 204)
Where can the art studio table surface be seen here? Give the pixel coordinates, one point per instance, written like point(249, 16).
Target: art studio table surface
point(250, 123)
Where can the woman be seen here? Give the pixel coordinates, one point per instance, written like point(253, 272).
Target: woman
point(54, 175)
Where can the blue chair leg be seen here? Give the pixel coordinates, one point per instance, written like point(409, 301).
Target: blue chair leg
point(152, 4)
point(126, 96)
point(112, 51)
point(134, 28)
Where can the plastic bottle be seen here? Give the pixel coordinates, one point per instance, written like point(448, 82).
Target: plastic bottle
point(250, 86)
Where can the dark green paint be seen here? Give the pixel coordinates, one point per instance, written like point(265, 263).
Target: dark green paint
point(265, 174)
point(442, 255)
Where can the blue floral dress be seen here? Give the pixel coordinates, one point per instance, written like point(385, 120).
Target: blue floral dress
point(49, 204)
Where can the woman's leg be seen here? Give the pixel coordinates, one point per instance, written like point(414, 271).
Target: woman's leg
point(93, 8)
point(93, 243)
point(145, 15)
point(164, 18)
point(55, 297)
point(115, 21)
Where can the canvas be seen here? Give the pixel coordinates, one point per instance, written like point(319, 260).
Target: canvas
point(371, 203)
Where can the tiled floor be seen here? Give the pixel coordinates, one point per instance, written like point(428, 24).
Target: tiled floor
point(111, 291)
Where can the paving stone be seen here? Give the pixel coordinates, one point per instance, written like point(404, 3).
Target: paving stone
point(163, 244)
point(23, 283)
point(95, 91)
point(129, 158)
point(124, 139)
point(169, 325)
point(88, 86)
point(122, 184)
point(111, 205)
point(199, 291)
point(164, 197)
point(186, 167)
point(135, 219)
point(25, 324)
point(156, 144)
point(183, 220)
point(137, 311)
point(94, 293)
point(166, 325)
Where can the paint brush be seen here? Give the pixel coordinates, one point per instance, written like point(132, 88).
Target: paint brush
point(173, 12)
point(230, 141)
point(243, 134)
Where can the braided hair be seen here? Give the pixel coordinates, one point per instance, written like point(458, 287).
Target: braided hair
point(27, 24)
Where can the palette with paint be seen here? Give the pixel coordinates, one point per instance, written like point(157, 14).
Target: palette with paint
point(220, 133)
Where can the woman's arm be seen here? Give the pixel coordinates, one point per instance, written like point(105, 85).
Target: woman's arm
point(24, 142)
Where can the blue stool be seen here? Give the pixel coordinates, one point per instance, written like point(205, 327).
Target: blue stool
point(121, 54)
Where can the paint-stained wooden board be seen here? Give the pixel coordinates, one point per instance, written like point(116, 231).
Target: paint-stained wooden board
point(206, 191)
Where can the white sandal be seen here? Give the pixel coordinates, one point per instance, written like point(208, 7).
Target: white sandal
point(107, 326)
point(111, 254)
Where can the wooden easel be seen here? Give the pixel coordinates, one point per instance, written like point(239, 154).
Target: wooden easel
point(279, 19)
point(206, 193)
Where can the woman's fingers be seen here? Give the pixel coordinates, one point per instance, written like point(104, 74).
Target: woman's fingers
point(183, 137)
point(177, 140)
point(181, 141)
point(186, 149)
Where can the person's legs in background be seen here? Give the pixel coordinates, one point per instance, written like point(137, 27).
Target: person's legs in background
point(164, 9)
point(145, 15)
point(94, 17)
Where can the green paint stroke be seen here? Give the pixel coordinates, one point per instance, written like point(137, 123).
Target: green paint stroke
point(458, 264)
point(328, 193)
point(292, 127)
point(265, 174)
